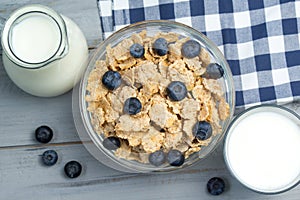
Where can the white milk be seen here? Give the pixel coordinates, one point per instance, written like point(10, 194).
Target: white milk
point(35, 39)
point(44, 53)
point(262, 150)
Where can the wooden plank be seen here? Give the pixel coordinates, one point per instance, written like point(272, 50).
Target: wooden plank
point(21, 114)
point(83, 13)
point(23, 175)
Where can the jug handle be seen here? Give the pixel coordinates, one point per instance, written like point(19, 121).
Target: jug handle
point(2, 23)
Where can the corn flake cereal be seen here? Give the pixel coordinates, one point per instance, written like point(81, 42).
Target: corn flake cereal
point(161, 123)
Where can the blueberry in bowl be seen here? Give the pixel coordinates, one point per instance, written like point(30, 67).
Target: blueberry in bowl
point(137, 50)
point(176, 90)
point(111, 80)
point(202, 130)
point(157, 158)
point(214, 71)
point(151, 99)
point(175, 157)
point(190, 49)
point(160, 46)
point(111, 143)
point(132, 106)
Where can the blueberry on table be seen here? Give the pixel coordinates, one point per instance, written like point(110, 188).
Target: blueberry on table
point(175, 158)
point(132, 106)
point(72, 169)
point(157, 158)
point(190, 49)
point(43, 134)
point(111, 80)
point(215, 186)
point(160, 46)
point(111, 143)
point(176, 91)
point(49, 157)
point(213, 71)
point(202, 130)
point(137, 50)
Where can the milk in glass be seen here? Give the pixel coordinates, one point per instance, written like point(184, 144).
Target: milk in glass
point(262, 149)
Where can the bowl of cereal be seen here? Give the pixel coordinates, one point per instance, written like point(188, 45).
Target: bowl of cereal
point(157, 96)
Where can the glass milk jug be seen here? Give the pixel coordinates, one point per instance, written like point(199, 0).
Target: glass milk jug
point(44, 53)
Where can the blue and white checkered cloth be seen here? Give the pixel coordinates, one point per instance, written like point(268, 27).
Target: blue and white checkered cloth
point(260, 39)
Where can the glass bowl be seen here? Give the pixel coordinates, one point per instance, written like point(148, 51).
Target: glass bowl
point(88, 130)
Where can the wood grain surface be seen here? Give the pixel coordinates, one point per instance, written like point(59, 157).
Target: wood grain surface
point(22, 176)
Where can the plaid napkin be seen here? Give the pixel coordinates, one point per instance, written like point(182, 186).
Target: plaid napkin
point(260, 39)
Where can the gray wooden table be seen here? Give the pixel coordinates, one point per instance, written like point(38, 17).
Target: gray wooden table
point(22, 176)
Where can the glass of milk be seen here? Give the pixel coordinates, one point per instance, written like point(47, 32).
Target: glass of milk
point(262, 148)
point(44, 53)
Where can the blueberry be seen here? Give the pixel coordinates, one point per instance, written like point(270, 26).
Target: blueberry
point(213, 71)
point(215, 186)
point(73, 169)
point(175, 158)
point(137, 50)
point(157, 158)
point(190, 49)
point(176, 91)
point(49, 157)
point(111, 143)
point(160, 46)
point(132, 106)
point(43, 134)
point(111, 80)
point(202, 130)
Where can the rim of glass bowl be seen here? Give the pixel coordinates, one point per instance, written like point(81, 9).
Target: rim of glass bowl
point(157, 26)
